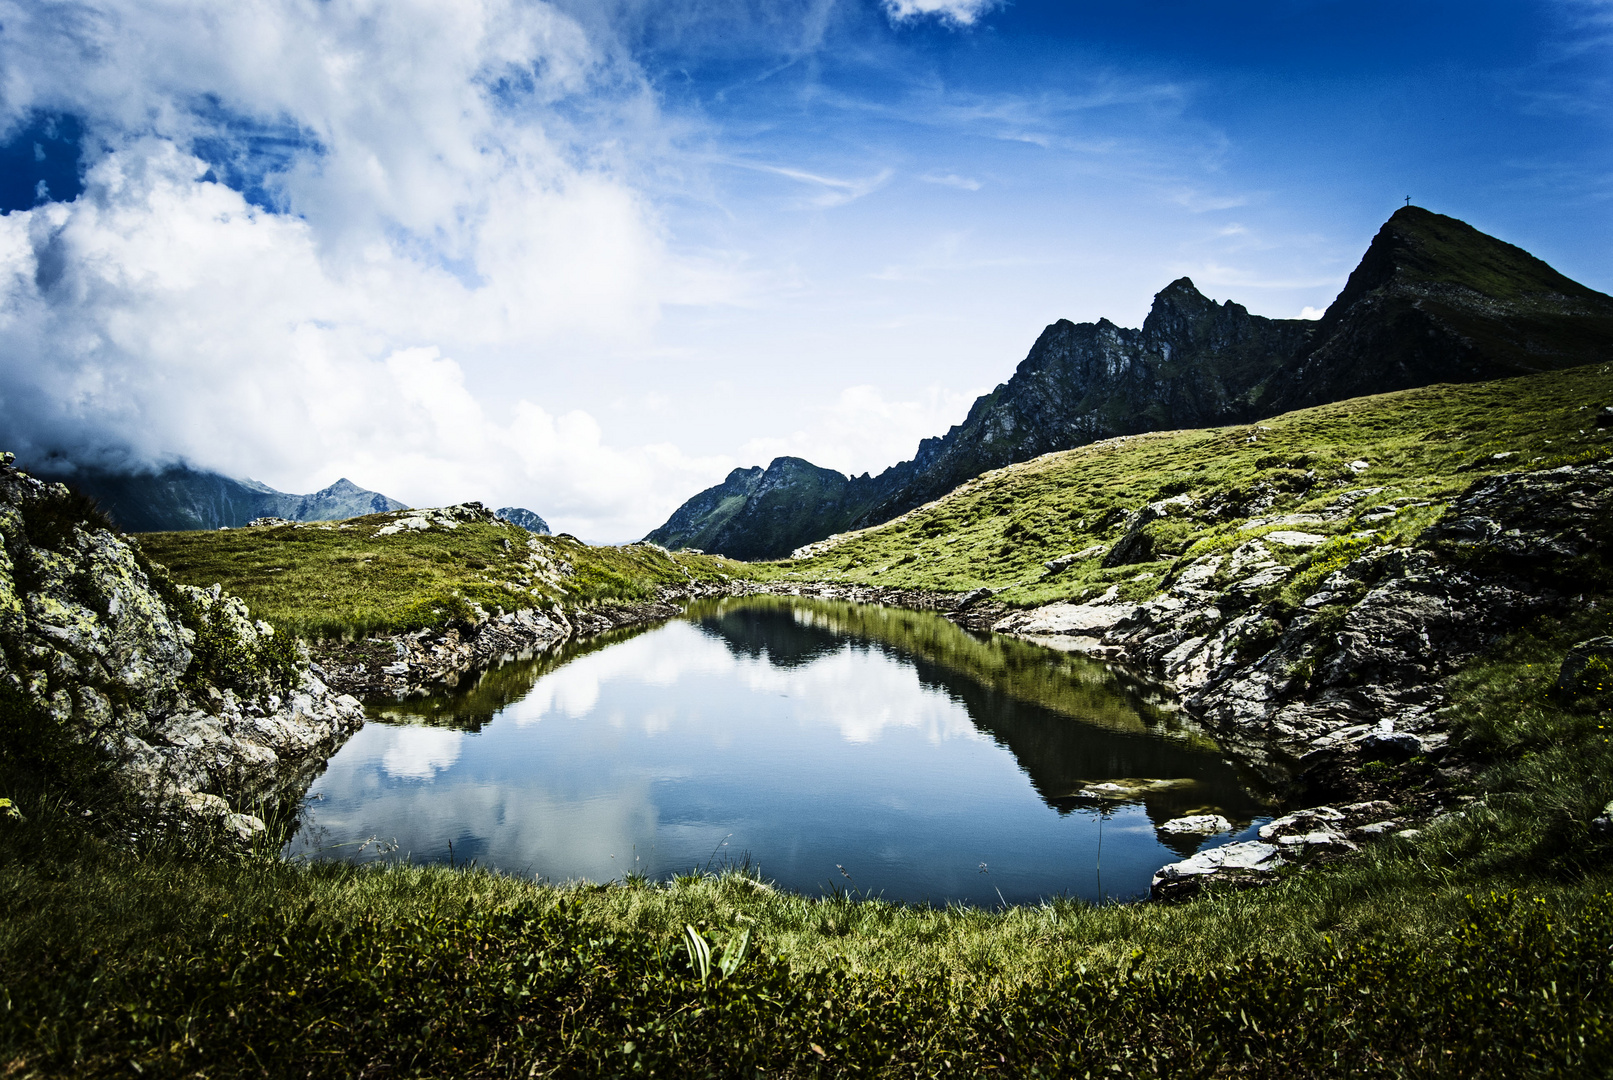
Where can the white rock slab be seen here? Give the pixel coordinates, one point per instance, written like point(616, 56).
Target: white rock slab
point(1248, 855)
point(1086, 620)
point(1292, 538)
point(1197, 825)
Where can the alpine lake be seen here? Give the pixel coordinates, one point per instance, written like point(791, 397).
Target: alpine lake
point(827, 746)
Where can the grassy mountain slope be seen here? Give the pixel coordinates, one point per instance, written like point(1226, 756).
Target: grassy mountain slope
point(1419, 447)
point(699, 522)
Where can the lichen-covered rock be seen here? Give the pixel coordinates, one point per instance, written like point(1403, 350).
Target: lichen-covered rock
point(1547, 518)
point(444, 517)
point(201, 709)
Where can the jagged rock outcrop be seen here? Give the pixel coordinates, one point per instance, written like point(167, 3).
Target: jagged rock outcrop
point(199, 709)
point(1433, 300)
point(1308, 678)
point(179, 499)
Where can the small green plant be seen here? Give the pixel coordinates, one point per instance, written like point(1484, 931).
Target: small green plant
point(1592, 686)
point(49, 521)
point(699, 950)
point(223, 656)
point(1259, 639)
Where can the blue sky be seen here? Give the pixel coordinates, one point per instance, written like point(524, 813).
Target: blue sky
point(586, 257)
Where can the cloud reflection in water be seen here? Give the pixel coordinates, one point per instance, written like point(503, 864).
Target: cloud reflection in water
point(799, 740)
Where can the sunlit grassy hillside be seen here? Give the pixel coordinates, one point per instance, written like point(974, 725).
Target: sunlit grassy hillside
point(334, 579)
point(1420, 447)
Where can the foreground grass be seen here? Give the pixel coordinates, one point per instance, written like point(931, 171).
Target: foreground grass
point(277, 970)
point(345, 579)
point(1418, 448)
point(1477, 948)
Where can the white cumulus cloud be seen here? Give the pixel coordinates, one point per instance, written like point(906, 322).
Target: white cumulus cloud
point(431, 185)
point(862, 430)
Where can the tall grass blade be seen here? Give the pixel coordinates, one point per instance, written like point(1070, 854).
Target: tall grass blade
point(699, 951)
point(734, 954)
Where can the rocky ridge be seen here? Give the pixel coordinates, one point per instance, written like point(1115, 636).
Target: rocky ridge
point(1432, 300)
point(202, 713)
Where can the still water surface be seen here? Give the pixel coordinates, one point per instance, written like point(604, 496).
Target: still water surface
point(831, 745)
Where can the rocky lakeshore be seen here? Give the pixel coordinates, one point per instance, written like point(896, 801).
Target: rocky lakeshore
point(209, 714)
point(395, 666)
point(1356, 673)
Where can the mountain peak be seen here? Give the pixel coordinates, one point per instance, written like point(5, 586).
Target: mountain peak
point(179, 498)
point(1178, 300)
point(1181, 315)
point(1420, 252)
point(520, 515)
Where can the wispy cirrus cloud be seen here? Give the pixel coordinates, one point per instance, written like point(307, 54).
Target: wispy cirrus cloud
point(837, 191)
point(964, 183)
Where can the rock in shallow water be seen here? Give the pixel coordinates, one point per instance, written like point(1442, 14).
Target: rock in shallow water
point(1197, 824)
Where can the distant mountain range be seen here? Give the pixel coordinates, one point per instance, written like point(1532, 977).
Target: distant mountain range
point(179, 499)
point(529, 521)
point(1433, 300)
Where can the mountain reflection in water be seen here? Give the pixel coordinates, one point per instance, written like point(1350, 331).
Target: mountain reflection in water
point(803, 735)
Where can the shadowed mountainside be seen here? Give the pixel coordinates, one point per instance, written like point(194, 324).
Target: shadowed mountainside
point(180, 499)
